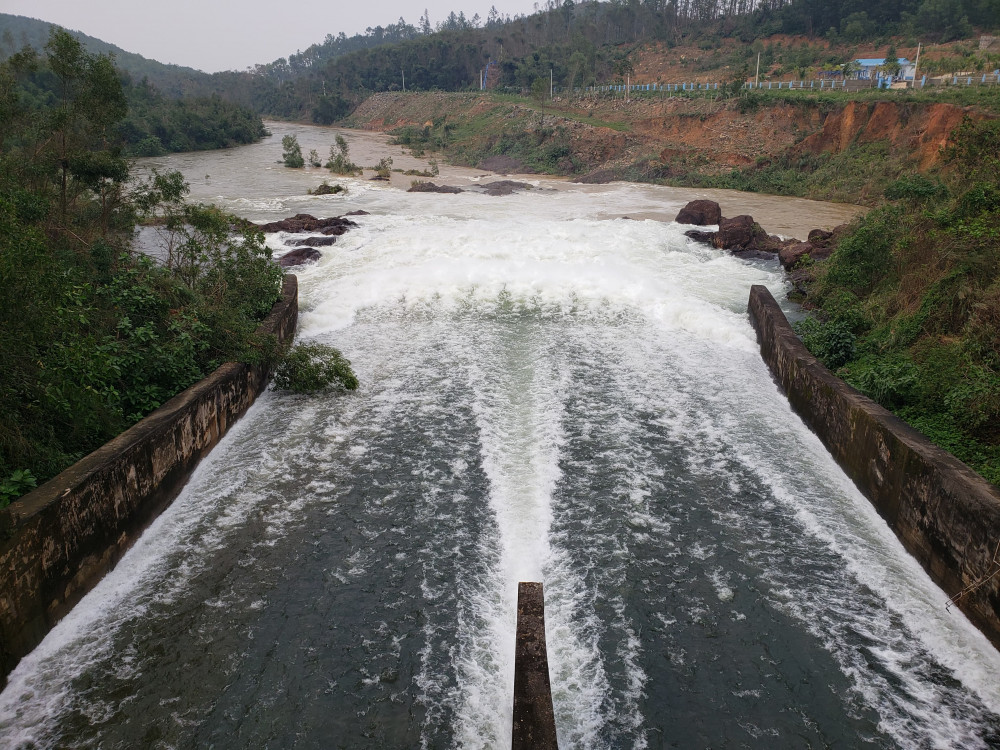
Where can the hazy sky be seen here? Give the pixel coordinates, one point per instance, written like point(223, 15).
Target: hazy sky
point(213, 35)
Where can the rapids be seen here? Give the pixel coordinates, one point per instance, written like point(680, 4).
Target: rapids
point(549, 392)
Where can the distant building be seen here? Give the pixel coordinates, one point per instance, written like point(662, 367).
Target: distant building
point(873, 68)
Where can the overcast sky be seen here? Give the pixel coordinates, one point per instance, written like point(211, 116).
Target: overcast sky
point(213, 35)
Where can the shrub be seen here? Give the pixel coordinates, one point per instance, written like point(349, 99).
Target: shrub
point(889, 382)
point(340, 162)
point(18, 483)
point(915, 188)
point(383, 168)
point(306, 368)
point(863, 259)
point(831, 342)
point(291, 152)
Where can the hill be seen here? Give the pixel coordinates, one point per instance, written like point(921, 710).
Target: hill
point(175, 81)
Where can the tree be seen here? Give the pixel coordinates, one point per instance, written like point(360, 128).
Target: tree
point(291, 152)
point(340, 162)
point(891, 65)
point(945, 17)
point(89, 101)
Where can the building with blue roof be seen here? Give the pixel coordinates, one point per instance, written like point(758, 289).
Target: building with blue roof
point(870, 68)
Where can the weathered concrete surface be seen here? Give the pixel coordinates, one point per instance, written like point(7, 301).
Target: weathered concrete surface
point(60, 540)
point(946, 515)
point(534, 719)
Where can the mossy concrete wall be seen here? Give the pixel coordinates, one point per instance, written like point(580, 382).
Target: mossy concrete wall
point(946, 515)
point(534, 722)
point(59, 540)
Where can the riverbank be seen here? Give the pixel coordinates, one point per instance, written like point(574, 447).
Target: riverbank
point(817, 147)
point(946, 515)
point(58, 541)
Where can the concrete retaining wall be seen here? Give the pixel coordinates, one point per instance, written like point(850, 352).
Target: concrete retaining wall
point(62, 538)
point(946, 515)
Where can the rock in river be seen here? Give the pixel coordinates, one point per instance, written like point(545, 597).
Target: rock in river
point(700, 212)
point(299, 257)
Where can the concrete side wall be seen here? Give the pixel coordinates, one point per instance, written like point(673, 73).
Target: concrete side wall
point(946, 515)
point(61, 539)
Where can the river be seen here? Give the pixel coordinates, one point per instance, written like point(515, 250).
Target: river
point(550, 392)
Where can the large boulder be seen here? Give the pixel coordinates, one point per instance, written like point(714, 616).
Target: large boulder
point(700, 212)
point(430, 187)
point(505, 187)
point(740, 234)
point(325, 241)
point(706, 237)
point(819, 236)
point(790, 255)
point(299, 257)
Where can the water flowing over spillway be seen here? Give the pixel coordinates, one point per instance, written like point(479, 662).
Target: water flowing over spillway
point(546, 395)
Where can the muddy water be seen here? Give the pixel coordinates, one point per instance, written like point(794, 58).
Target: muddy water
point(547, 393)
point(256, 172)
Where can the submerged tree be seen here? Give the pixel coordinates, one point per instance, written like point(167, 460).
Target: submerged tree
point(306, 368)
point(291, 152)
point(340, 162)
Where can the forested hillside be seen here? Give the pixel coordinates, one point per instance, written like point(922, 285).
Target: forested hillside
point(155, 122)
point(17, 32)
point(576, 43)
point(585, 43)
point(92, 334)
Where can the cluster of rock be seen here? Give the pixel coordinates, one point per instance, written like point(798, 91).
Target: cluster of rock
point(430, 187)
point(498, 187)
point(743, 236)
point(328, 230)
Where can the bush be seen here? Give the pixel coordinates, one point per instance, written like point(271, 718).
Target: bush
point(863, 259)
point(383, 168)
point(291, 152)
point(915, 188)
point(306, 368)
point(831, 342)
point(889, 382)
point(340, 162)
point(18, 483)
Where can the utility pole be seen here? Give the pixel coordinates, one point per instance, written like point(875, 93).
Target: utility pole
point(756, 76)
point(628, 85)
point(403, 72)
point(916, 66)
point(550, 83)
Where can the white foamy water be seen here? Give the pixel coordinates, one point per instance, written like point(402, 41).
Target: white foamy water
point(546, 395)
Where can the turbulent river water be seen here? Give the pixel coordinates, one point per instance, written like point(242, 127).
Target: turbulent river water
point(548, 393)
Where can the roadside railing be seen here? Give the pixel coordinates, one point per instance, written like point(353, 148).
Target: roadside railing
point(819, 84)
